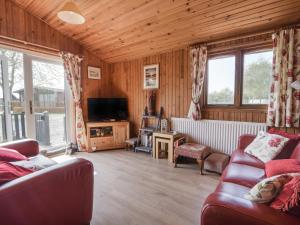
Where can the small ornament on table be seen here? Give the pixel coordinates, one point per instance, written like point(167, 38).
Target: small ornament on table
point(164, 126)
point(151, 103)
point(146, 111)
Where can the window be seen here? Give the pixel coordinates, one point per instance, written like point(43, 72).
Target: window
point(221, 81)
point(257, 77)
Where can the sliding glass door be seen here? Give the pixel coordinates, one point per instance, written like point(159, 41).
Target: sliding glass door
point(49, 103)
point(34, 107)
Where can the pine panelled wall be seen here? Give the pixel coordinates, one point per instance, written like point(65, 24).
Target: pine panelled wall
point(174, 93)
point(20, 29)
point(94, 88)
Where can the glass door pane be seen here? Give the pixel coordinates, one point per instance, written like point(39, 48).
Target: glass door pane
point(15, 95)
point(3, 137)
point(49, 103)
point(12, 115)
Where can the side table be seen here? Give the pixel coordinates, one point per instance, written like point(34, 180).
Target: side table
point(167, 138)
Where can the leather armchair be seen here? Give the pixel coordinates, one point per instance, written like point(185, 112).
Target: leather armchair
point(58, 195)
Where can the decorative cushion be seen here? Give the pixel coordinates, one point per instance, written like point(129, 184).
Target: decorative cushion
point(266, 146)
point(289, 146)
point(282, 166)
point(284, 134)
point(289, 196)
point(10, 172)
point(10, 155)
point(267, 189)
point(192, 150)
point(36, 163)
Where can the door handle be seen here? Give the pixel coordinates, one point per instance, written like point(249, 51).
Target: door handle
point(30, 107)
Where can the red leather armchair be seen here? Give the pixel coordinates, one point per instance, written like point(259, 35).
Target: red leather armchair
point(227, 204)
point(59, 195)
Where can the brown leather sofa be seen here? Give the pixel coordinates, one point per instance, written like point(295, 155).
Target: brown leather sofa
point(58, 195)
point(227, 204)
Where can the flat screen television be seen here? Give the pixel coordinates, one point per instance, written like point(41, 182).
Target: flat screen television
point(107, 109)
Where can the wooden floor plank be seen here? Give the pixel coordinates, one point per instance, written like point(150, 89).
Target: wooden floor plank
point(134, 189)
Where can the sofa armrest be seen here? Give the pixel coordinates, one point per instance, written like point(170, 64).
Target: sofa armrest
point(27, 147)
point(222, 208)
point(61, 194)
point(245, 140)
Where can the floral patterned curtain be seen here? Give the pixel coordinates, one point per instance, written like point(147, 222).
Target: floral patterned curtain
point(72, 65)
point(198, 66)
point(284, 104)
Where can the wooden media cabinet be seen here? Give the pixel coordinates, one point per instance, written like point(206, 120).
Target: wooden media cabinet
point(107, 135)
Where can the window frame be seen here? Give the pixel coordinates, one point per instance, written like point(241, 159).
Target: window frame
point(239, 78)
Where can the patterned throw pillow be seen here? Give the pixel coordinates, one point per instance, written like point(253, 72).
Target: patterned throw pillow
point(268, 189)
point(266, 146)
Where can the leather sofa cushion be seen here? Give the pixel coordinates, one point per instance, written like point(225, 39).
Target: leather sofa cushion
point(243, 158)
point(232, 189)
point(243, 174)
point(10, 155)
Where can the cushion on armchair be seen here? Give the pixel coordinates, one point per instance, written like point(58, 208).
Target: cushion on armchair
point(10, 155)
point(10, 172)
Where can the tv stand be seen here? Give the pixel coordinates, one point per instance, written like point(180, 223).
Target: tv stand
point(107, 135)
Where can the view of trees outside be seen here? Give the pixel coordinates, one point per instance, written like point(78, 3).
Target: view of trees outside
point(15, 71)
point(48, 84)
point(257, 77)
point(221, 79)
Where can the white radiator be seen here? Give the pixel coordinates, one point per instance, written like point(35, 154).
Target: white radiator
point(221, 136)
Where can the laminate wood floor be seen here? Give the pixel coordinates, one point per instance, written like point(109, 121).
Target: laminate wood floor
point(134, 189)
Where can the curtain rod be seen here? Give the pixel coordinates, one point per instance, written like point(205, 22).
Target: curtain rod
point(246, 36)
point(15, 43)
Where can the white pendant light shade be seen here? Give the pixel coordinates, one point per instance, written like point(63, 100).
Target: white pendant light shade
point(296, 85)
point(71, 14)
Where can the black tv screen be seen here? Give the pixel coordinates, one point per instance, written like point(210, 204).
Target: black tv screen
point(105, 109)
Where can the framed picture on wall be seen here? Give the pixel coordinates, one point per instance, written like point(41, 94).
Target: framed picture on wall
point(151, 76)
point(94, 73)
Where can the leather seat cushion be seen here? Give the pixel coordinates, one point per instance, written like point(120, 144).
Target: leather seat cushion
point(232, 189)
point(243, 174)
point(244, 158)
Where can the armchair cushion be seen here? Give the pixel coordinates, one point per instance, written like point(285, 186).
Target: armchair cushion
point(9, 172)
point(10, 155)
point(36, 162)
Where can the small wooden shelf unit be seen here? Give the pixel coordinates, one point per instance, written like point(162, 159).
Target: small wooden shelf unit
point(107, 135)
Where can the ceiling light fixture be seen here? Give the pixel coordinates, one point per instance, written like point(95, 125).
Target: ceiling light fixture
point(70, 13)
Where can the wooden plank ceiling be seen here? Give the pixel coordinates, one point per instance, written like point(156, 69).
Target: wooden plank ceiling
point(118, 30)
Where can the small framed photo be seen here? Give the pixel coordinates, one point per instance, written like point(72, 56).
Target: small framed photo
point(151, 76)
point(94, 73)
